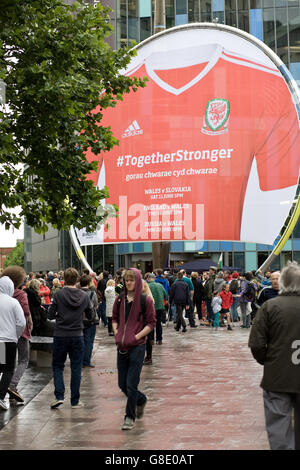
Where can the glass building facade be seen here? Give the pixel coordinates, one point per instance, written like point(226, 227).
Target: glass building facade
point(277, 24)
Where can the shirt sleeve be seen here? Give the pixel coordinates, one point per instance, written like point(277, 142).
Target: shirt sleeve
point(19, 319)
point(259, 336)
point(277, 136)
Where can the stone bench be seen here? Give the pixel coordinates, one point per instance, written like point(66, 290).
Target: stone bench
point(41, 350)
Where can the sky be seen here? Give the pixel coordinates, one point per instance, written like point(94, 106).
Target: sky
point(8, 238)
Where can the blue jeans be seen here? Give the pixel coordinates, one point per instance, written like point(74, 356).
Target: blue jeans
point(129, 370)
point(88, 336)
point(101, 312)
point(173, 312)
point(209, 310)
point(62, 346)
point(233, 310)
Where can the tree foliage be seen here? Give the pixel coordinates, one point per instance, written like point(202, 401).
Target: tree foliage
point(16, 256)
point(57, 68)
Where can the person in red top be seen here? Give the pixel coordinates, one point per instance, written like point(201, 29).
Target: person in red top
point(44, 293)
point(17, 275)
point(227, 300)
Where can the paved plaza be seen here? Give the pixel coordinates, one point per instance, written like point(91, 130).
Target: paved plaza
point(203, 394)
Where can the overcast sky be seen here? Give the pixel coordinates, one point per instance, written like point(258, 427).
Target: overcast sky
point(8, 238)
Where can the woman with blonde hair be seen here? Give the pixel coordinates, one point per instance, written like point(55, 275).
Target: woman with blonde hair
point(110, 296)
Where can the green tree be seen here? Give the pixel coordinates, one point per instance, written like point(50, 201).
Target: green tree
point(16, 257)
point(57, 68)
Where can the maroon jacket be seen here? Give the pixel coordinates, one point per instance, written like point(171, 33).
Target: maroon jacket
point(21, 297)
point(125, 338)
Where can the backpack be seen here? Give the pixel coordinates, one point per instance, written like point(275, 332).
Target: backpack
point(86, 322)
point(234, 286)
point(250, 293)
point(143, 307)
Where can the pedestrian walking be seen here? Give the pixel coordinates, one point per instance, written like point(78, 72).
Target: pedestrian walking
point(234, 286)
point(216, 305)
point(102, 304)
point(12, 324)
point(150, 336)
point(209, 279)
point(68, 306)
point(227, 300)
point(246, 296)
point(17, 275)
point(274, 342)
point(110, 297)
point(159, 296)
point(179, 294)
point(131, 326)
point(86, 284)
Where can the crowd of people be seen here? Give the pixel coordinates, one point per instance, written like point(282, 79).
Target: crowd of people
point(133, 307)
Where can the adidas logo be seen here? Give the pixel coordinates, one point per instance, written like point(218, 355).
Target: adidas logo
point(133, 129)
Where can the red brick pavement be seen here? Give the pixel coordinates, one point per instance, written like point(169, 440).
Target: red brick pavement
point(203, 393)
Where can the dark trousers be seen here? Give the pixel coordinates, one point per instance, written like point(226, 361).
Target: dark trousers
point(159, 317)
point(89, 337)
point(190, 314)
point(180, 321)
point(109, 324)
point(62, 346)
point(8, 368)
point(129, 370)
point(278, 413)
point(101, 312)
point(198, 304)
point(150, 339)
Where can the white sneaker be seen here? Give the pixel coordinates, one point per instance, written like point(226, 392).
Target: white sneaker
point(128, 424)
point(79, 405)
point(3, 405)
point(56, 404)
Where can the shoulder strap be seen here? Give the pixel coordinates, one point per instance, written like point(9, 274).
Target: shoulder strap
point(119, 300)
point(143, 306)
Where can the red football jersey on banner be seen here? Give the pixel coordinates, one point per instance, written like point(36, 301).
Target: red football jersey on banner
point(190, 136)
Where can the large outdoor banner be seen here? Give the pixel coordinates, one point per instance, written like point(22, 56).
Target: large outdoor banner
point(209, 149)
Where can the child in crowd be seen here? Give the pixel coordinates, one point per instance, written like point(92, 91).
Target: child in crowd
point(216, 305)
point(110, 296)
point(227, 300)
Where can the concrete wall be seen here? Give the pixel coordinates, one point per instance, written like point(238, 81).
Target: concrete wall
point(45, 251)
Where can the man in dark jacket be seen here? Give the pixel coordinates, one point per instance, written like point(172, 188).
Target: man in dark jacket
point(131, 327)
point(102, 304)
point(181, 297)
point(208, 292)
point(269, 292)
point(275, 343)
point(68, 306)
